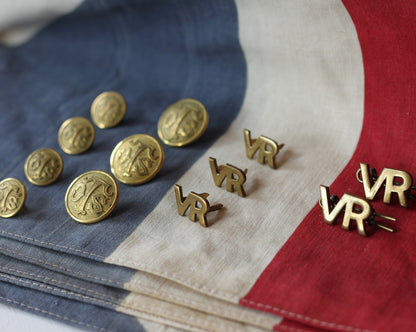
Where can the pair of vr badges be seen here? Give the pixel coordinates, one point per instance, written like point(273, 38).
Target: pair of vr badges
point(360, 210)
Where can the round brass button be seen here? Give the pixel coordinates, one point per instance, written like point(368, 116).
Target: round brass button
point(91, 197)
point(12, 197)
point(108, 109)
point(137, 159)
point(76, 135)
point(182, 122)
point(43, 167)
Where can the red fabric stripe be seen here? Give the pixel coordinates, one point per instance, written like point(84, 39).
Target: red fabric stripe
point(338, 280)
point(288, 325)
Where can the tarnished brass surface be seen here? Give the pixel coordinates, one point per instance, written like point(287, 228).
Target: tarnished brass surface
point(372, 185)
point(235, 177)
point(268, 148)
point(197, 203)
point(349, 204)
point(108, 109)
point(137, 159)
point(76, 135)
point(91, 197)
point(12, 197)
point(182, 122)
point(43, 166)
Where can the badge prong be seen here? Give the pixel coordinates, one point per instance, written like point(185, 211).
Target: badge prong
point(215, 207)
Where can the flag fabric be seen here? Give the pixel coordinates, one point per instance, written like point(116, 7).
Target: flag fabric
point(332, 81)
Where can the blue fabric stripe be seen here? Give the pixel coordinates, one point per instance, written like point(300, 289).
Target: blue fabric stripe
point(91, 292)
point(154, 53)
point(68, 264)
point(86, 316)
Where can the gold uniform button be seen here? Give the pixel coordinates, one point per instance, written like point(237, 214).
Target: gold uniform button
point(108, 109)
point(182, 122)
point(76, 135)
point(91, 197)
point(137, 159)
point(43, 167)
point(12, 197)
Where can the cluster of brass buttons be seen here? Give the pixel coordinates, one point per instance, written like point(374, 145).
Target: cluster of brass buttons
point(76, 135)
point(94, 194)
point(135, 160)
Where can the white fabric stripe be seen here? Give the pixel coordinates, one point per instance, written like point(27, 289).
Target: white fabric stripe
point(305, 89)
point(166, 290)
point(144, 307)
point(156, 327)
point(22, 19)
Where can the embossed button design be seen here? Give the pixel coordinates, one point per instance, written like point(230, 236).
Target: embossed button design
point(76, 135)
point(182, 123)
point(12, 197)
point(91, 197)
point(137, 159)
point(108, 109)
point(43, 166)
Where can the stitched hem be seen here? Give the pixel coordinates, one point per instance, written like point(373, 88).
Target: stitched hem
point(178, 318)
point(58, 282)
point(53, 315)
point(304, 319)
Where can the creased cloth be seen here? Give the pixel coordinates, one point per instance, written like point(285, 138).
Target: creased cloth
point(333, 81)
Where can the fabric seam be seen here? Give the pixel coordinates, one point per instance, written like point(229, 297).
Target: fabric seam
point(305, 318)
point(36, 309)
point(63, 283)
point(195, 285)
point(135, 309)
point(175, 300)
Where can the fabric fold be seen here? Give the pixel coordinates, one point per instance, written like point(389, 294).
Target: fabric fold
point(296, 72)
